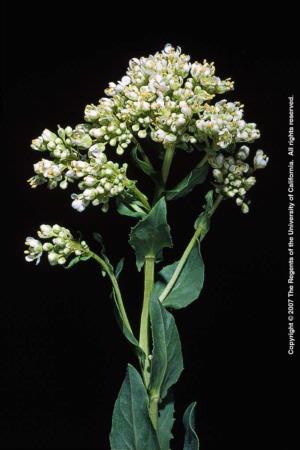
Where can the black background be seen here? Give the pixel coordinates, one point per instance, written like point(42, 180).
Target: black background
point(64, 357)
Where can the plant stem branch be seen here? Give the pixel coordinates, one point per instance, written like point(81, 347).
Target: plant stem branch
point(144, 325)
point(116, 289)
point(186, 253)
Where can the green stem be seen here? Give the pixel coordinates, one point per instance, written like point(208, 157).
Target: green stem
point(165, 170)
point(169, 154)
point(144, 325)
point(186, 253)
point(153, 410)
point(116, 289)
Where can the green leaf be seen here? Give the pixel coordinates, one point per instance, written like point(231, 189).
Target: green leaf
point(131, 426)
point(72, 262)
point(195, 177)
point(119, 267)
point(151, 234)
point(166, 362)
point(127, 333)
point(204, 217)
point(85, 257)
point(191, 441)
point(76, 260)
point(189, 283)
point(131, 209)
point(145, 165)
point(98, 238)
point(165, 422)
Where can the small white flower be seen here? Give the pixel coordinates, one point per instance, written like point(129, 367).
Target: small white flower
point(142, 134)
point(96, 150)
point(79, 205)
point(53, 258)
point(37, 143)
point(126, 80)
point(45, 231)
point(34, 251)
point(48, 136)
point(260, 160)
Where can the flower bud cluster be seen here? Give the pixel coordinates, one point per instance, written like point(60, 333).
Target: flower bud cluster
point(60, 246)
point(223, 123)
point(107, 125)
point(233, 176)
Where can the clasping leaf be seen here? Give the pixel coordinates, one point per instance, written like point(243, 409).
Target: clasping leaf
point(131, 425)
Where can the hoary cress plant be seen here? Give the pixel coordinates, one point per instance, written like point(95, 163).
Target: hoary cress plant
point(172, 103)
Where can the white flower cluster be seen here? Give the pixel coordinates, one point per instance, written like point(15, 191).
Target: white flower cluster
point(164, 97)
point(223, 123)
point(98, 178)
point(158, 97)
point(233, 176)
point(60, 247)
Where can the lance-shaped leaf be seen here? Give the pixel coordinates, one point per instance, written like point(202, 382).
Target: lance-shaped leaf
point(131, 210)
point(119, 267)
point(185, 186)
point(151, 234)
point(131, 425)
point(145, 165)
point(191, 441)
point(189, 283)
point(76, 260)
point(166, 362)
point(165, 422)
point(128, 333)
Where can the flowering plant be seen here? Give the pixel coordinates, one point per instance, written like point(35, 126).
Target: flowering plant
point(167, 99)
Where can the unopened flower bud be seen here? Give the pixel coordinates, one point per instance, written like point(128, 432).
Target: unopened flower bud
point(142, 134)
point(245, 208)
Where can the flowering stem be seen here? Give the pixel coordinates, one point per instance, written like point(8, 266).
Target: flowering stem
point(144, 325)
point(187, 251)
point(115, 284)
